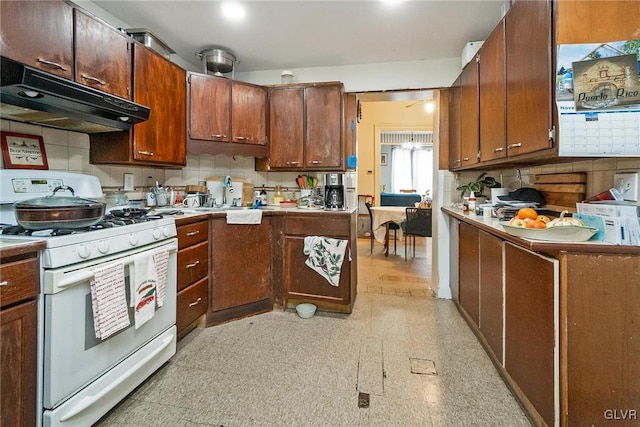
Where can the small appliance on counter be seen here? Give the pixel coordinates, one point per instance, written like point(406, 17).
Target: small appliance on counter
point(334, 192)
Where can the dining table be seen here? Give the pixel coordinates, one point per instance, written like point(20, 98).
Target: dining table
point(381, 216)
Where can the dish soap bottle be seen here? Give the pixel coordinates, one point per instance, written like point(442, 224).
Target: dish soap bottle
point(278, 197)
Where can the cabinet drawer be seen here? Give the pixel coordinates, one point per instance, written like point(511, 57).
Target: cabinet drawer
point(329, 225)
point(192, 233)
point(192, 303)
point(22, 280)
point(193, 264)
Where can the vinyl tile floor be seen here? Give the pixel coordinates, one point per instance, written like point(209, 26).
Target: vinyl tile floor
point(411, 354)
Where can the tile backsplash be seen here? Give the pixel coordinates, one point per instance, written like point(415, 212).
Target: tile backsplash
point(69, 151)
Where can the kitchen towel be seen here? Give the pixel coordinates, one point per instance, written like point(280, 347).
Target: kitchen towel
point(161, 259)
point(244, 216)
point(143, 287)
point(109, 300)
point(325, 256)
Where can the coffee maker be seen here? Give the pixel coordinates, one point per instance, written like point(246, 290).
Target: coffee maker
point(335, 192)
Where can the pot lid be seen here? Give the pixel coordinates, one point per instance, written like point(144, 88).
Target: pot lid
point(53, 201)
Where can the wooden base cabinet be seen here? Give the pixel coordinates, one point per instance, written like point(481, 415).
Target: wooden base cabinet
point(491, 292)
point(241, 269)
point(469, 276)
point(301, 283)
point(18, 338)
point(193, 273)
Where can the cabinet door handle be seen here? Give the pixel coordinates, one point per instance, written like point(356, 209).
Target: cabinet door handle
point(241, 138)
point(293, 163)
point(219, 136)
point(94, 79)
point(196, 302)
point(146, 153)
point(51, 63)
point(193, 233)
point(497, 150)
point(4, 283)
point(315, 162)
point(465, 159)
point(193, 264)
point(519, 144)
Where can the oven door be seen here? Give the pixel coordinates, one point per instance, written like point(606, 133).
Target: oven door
point(73, 356)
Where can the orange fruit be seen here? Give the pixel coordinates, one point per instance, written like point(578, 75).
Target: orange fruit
point(527, 213)
point(536, 224)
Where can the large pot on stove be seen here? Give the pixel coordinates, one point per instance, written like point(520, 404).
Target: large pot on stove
point(58, 211)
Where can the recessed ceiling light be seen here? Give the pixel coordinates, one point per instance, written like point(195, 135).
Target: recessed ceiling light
point(391, 2)
point(233, 11)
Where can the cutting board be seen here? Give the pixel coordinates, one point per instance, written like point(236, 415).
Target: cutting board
point(562, 190)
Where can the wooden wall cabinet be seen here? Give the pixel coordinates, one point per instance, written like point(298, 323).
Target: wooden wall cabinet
point(193, 273)
point(223, 111)
point(492, 83)
point(469, 114)
point(455, 155)
point(63, 40)
point(161, 140)
point(241, 268)
point(18, 338)
point(302, 284)
point(307, 127)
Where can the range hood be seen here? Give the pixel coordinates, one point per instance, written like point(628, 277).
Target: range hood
point(33, 96)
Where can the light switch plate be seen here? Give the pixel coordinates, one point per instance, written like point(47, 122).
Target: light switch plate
point(128, 182)
point(627, 185)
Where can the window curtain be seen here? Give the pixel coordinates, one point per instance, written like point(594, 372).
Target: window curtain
point(411, 168)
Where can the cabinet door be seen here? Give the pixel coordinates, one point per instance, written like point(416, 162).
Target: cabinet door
point(241, 263)
point(491, 295)
point(160, 85)
point(323, 142)
point(286, 127)
point(529, 76)
point(492, 83)
point(18, 371)
point(530, 336)
point(102, 56)
point(469, 272)
point(303, 283)
point(209, 102)
point(38, 34)
point(469, 114)
point(248, 114)
point(455, 157)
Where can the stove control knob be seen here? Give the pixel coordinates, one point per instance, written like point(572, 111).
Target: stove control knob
point(103, 247)
point(83, 251)
point(157, 234)
point(166, 231)
point(133, 239)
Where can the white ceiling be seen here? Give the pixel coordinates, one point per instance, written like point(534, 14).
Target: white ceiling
point(277, 35)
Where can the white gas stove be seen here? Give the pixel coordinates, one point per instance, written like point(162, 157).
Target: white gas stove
point(82, 376)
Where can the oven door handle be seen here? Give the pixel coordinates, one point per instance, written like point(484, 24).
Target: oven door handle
point(80, 276)
point(90, 400)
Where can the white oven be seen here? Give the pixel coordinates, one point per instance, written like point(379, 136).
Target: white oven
point(83, 376)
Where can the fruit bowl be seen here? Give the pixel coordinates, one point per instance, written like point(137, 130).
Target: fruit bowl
point(567, 233)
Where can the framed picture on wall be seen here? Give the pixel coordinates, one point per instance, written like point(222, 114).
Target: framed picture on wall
point(21, 151)
point(383, 159)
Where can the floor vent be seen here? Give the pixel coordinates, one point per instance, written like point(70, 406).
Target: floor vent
point(363, 400)
point(423, 366)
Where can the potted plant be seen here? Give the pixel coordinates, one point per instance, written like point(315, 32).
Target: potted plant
point(478, 186)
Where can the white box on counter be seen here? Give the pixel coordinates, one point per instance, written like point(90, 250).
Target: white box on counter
point(621, 221)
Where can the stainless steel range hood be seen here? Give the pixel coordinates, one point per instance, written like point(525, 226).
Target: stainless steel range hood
point(34, 96)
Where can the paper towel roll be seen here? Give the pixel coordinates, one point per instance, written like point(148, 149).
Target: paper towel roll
point(495, 192)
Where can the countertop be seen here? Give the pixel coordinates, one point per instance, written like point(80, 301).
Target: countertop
point(13, 247)
point(492, 225)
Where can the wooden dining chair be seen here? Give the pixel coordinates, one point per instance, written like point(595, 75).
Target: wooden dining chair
point(391, 226)
point(418, 224)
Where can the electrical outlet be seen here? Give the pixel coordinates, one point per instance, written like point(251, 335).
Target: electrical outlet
point(627, 185)
point(128, 182)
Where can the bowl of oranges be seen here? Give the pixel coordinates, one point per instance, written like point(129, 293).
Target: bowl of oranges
point(530, 225)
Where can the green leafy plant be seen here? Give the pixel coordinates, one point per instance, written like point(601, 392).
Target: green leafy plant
point(478, 186)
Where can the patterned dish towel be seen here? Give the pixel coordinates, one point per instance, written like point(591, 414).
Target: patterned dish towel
point(325, 256)
point(109, 301)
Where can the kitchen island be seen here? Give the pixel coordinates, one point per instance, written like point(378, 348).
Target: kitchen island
point(558, 319)
point(254, 268)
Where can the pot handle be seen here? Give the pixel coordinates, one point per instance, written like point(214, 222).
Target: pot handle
point(64, 187)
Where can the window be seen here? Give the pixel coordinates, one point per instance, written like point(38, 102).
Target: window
point(411, 167)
